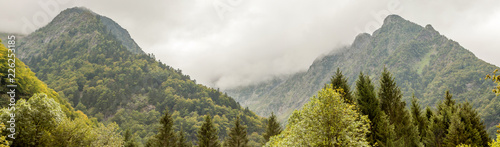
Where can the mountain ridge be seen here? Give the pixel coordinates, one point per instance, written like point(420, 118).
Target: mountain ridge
point(78, 55)
point(423, 61)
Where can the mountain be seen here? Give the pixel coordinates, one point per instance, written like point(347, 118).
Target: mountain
point(423, 62)
point(27, 83)
point(93, 63)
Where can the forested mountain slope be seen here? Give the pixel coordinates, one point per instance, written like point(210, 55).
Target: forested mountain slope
point(27, 83)
point(423, 62)
point(94, 64)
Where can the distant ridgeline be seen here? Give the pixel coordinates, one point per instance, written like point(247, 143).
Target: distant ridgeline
point(94, 64)
point(422, 61)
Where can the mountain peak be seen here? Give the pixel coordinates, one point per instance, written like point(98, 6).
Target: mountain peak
point(361, 40)
point(393, 18)
point(74, 14)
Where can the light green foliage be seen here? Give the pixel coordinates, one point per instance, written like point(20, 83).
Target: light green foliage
point(463, 145)
point(324, 121)
point(3, 141)
point(107, 136)
point(421, 60)
point(100, 70)
point(41, 122)
point(76, 132)
point(495, 78)
point(496, 143)
point(237, 136)
point(27, 83)
point(35, 120)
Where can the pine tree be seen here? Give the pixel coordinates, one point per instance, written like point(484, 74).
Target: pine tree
point(428, 113)
point(466, 128)
point(237, 135)
point(339, 81)
point(381, 132)
point(166, 136)
point(181, 142)
point(420, 120)
point(391, 103)
point(207, 135)
point(368, 104)
point(441, 120)
point(273, 127)
point(385, 136)
point(429, 137)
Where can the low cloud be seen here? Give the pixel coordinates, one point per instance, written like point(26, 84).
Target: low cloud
point(228, 43)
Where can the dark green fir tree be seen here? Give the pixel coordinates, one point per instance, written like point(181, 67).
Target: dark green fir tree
point(273, 127)
point(237, 136)
point(181, 142)
point(207, 135)
point(339, 81)
point(381, 133)
point(166, 136)
point(390, 101)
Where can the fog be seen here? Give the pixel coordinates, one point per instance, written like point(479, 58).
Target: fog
point(228, 43)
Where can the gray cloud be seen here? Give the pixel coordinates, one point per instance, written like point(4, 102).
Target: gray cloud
point(256, 40)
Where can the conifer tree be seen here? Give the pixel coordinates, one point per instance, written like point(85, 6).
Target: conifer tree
point(429, 137)
point(339, 81)
point(441, 120)
point(368, 104)
point(273, 127)
point(381, 133)
point(390, 99)
point(207, 135)
point(420, 120)
point(385, 136)
point(466, 128)
point(166, 136)
point(181, 142)
point(428, 114)
point(391, 103)
point(237, 135)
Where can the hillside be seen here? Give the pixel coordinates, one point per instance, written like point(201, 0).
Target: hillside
point(423, 62)
point(93, 63)
point(27, 83)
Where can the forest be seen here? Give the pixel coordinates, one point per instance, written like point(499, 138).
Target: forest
point(336, 116)
point(85, 86)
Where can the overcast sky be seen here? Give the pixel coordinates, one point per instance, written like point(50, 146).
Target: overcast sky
point(227, 43)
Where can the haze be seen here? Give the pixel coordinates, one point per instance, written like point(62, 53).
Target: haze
point(228, 43)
